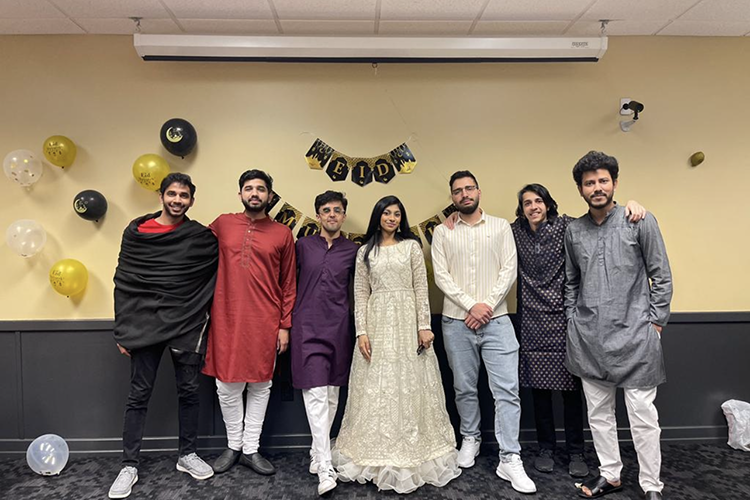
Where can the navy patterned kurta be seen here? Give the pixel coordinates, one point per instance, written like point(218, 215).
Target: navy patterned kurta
point(541, 314)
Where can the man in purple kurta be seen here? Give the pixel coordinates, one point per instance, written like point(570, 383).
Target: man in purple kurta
point(321, 337)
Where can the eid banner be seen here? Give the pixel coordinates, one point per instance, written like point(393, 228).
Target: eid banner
point(382, 168)
point(428, 227)
point(309, 227)
point(339, 166)
point(318, 155)
point(288, 215)
point(403, 159)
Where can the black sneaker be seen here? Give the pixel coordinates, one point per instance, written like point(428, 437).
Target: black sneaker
point(544, 461)
point(578, 467)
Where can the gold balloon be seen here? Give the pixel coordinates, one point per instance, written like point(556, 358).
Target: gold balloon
point(149, 170)
point(60, 151)
point(68, 277)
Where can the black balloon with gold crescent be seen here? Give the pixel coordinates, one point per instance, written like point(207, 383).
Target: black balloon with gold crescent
point(178, 137)
point(90, 205)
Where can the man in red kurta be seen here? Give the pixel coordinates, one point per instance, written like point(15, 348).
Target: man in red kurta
point(250, 318)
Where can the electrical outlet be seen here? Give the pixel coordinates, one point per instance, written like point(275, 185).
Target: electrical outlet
point(625, 112)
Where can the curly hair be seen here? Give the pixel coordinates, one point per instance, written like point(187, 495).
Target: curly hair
point(592, 161)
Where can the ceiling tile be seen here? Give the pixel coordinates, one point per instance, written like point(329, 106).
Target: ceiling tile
point(360, 28)
point(534, 10)
point(224, 9)
point(27, 9)
point(39, 27)
point(424, 28)
point(124, 26)
point(229, 26)
point(719, 10)
point(429, 10)
point(638, 10)
point(519, 28)
point(699, 28)
point(615, 28)
point(332, 10)
point(112, 8)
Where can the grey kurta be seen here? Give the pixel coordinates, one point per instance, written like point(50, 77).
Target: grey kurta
point(609, 303)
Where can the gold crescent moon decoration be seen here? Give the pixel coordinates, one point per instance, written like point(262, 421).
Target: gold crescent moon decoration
point(174, 135)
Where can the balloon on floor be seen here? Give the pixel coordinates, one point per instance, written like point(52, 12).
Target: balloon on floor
point(22, 167)
point(26, 237)
point(149, 170)
point(47, 455)
point(68, 277)
point(59, 151)
point(90, 205)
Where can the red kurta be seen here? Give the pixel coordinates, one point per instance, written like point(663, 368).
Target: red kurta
point(255, 292)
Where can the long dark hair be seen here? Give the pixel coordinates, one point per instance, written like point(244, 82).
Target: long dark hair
point(543, 193)
point(374, 236)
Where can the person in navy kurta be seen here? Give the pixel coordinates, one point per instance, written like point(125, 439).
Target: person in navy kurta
point(321, 337)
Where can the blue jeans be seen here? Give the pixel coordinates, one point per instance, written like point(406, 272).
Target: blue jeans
point(494, 343)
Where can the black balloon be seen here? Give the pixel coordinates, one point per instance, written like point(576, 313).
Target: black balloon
point(178, 137)
point(90, 205)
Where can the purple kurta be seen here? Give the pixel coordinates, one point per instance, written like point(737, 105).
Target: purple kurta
point(321, 338)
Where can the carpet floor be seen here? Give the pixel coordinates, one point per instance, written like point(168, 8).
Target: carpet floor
point(689, 471)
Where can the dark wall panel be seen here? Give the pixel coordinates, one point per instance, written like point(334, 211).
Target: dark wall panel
point(10, 401)
point(69, 378)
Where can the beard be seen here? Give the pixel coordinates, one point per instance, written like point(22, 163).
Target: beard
point(467, 209)
point(169, 210)
point(255, 209)
point(607, 199)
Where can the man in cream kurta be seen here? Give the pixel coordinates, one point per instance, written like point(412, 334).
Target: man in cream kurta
point(475, 267)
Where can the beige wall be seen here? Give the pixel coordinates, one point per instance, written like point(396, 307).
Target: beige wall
point(509, 123)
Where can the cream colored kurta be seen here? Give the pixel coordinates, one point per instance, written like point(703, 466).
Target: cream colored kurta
point(396, 432)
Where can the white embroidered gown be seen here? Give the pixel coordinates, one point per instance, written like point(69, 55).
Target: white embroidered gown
point(396, 431)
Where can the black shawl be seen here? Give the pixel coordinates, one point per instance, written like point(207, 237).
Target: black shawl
point(164, 284)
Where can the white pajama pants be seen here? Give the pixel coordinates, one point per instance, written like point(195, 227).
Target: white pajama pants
point(243, 434)
point(320, 405)
point(644, 427)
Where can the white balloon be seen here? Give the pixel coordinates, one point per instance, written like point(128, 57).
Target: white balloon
point(47, 455)
point(23, 167)
point(26, 237)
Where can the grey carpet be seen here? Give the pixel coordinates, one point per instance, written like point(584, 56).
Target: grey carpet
point(690, 472)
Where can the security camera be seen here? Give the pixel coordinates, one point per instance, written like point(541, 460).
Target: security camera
point(635, 106)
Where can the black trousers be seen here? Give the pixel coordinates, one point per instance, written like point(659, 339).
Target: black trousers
point(545, 420)
point(144, 364)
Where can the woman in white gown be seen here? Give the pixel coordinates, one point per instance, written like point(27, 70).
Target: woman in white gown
point(396, 431)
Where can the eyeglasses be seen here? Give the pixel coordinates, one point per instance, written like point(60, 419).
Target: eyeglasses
point(336, 210)
point(467, 189)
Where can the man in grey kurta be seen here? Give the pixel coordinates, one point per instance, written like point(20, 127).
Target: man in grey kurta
point(615, 317)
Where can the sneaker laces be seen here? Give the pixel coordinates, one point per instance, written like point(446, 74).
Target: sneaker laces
point(547, 453)
point(193, 461)
point(126, 476)
point(327, 470)
point(576, 457)
point(516, 465)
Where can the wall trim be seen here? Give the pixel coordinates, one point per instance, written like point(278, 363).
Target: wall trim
point(79, 325)
point(291, 442)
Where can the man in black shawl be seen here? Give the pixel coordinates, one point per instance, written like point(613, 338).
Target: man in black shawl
point(164, 284)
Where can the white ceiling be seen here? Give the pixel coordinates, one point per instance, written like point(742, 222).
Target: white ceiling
point(379, 17)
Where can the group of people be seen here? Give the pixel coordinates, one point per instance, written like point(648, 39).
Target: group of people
point(593, 297)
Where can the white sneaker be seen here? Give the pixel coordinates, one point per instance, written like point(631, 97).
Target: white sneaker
point(123, 485)
point(326, 479)
point(512, 470)
point(314, 465)
point(469, 450)
point(195, 466)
